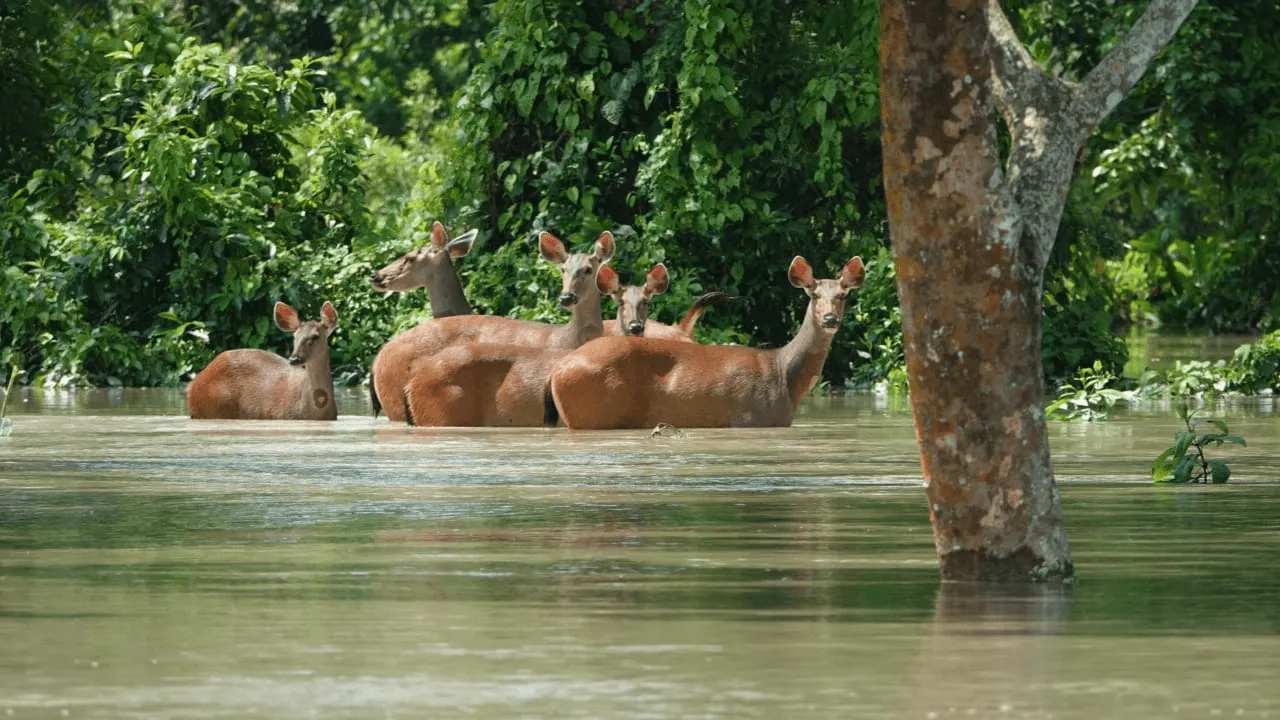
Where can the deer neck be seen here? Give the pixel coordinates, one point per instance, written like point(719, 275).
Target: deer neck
point(444, 290)
point(587, 322)
point(800, 361)
point(317, 372)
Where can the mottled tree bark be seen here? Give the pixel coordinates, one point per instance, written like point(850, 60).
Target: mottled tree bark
point(971, 237)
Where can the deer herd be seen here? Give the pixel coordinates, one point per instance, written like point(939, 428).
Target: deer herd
point(462, 369)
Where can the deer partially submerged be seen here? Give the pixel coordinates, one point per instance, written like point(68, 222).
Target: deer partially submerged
point(626, 382)
point(392, 366)
point(478, 384)
point(249, 384)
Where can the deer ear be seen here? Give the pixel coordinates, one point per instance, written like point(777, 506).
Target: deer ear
point(552, 249)
point(800, 274)
point(286, 318)
point(328, 316)
point(656, 282)
point(604, 247)
point(461, 245)
point(438, 236)
point(853, 274)
point(607, 281)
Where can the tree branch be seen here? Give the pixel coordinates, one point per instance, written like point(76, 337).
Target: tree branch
point(1107, 84)
point(1019, 81)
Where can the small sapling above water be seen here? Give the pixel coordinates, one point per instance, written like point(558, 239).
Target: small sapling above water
point(1178, 464)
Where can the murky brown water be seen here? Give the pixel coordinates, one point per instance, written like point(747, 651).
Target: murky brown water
point(151, 566)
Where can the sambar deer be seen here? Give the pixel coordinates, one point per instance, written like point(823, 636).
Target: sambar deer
point(249, 384)
point(392, 367)
point(431, 267)
point(633, 306)
point(625, 382)
point(479, 384)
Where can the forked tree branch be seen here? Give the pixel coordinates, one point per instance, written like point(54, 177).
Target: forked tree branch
point(1019, 80)
point(1107, 83)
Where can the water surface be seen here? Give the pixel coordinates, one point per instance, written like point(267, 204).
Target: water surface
point(152, 566)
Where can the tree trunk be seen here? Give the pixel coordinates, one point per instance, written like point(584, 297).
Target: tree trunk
point(971, 239)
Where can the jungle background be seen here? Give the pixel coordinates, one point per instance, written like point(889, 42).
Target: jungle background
point(169, 170)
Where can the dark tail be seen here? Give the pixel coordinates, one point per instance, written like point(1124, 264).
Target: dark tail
point(704, 301)
point(408, 412)
point(550, 413)
point(373, 395)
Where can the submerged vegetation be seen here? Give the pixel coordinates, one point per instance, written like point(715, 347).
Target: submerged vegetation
point(169, 171)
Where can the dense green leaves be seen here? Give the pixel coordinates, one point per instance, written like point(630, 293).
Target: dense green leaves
point(168, 171)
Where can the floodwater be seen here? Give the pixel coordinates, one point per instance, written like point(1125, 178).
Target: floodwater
point(156, 567)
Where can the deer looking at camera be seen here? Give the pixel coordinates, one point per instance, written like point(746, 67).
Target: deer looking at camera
point(633, 306)
point(250, 384)
point(626, 382)
point(392, 367)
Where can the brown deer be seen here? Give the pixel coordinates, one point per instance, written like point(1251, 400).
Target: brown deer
point(479, 384)
point(626, 382)
point(250, 384)
point(431, 267)
point(633, 306)
point(392, 367)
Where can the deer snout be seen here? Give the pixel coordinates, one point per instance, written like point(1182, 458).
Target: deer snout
point(295, 360)
point(377, 281)
point(830, 320)
point(568, 299)
point(635, 328)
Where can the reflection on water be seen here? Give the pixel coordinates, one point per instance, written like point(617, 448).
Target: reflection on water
point(151, 566)
point(1162, 352)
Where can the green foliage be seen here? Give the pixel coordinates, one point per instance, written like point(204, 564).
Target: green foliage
point(1089, 397)
point(1257, 366)
point(1178, 464)
point(1181, 176)
point(169, 170)
point(1193, 378)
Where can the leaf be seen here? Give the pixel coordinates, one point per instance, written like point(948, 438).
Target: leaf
point(1181, 442)
point(612, 112)
point(1234, 439)
point(1222, 426)
point(1182, 473)
point(1219, 472)
point(1162, 468)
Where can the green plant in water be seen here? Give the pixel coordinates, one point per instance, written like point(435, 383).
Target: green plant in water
point(1179, 464)
point(1087, 398)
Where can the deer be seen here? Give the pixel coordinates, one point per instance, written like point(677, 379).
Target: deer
point(633, 305)
point(480, 384)
point(630, 382)
point(250, 384)
point(392, 367)
point(431, 267)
